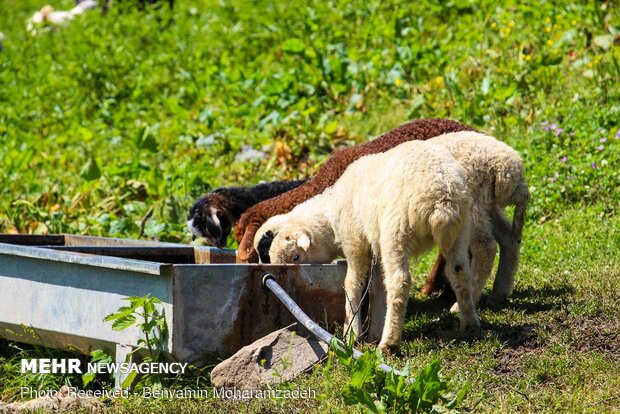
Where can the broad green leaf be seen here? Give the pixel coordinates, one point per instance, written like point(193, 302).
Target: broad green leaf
point(87, 378)
point(123, 322)
point(331, 127)
point(457, 399)
point(90, 170)
point(122, 312)
point(129, 379)
point(149, 307)
point(162, 325)
point(428, 384)
point(136, 301)
point(363, 369)
point(354, 396)
point(146, 140)
point(293, 45)
point(344, 354)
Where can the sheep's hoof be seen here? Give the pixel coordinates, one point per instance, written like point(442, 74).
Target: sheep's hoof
point(442, 293)
point(447, 294)
point(351, 333)
point(428, 290)
point(497, 301)
point(473, 328)
point(472, 325)
point(455, 308)
point(433, 286)
point(387, 349)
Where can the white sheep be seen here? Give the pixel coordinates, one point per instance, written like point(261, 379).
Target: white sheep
point(495, 177)
point(390, 205)
point(47, 15)
point(327, 175)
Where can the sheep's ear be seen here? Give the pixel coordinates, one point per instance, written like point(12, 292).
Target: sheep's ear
point(303, 241)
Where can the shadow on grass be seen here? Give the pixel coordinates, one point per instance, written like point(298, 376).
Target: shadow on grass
point(431, 319)
point(533, 300)
point(446, 330)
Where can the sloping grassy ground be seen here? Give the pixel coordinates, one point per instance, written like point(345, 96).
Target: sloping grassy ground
point(111, 123)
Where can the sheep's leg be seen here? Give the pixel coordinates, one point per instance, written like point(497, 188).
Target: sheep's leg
point(520, 199)
point(458, 272)
point(436, 280)
point(358, 265)
point(483, 248)
point(398, 288)
point(508, 236)
point(508, 258)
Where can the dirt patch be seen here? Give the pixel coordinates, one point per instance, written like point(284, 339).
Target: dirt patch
point(520, 343)
point(596, 334)
point(579, 334)
point(521, 337)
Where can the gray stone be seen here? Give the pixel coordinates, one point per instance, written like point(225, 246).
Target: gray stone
point(280, 356)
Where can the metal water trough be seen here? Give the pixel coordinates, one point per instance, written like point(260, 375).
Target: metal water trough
point(56, 290)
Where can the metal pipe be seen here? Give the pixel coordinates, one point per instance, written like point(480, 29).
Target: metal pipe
point(269, 282)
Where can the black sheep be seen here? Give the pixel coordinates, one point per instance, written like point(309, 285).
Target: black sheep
point(213, 215)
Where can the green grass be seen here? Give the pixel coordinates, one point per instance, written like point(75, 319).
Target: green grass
point(111, 123)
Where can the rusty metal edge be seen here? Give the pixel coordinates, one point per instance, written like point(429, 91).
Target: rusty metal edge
point(79, 240)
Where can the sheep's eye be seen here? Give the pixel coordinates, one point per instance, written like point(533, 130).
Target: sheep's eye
point(296, 258)
point(287, 238)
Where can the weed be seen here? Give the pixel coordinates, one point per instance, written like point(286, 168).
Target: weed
point(143, 313)
point(374, 390)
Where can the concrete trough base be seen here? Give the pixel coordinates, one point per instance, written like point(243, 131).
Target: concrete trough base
point(55, 291)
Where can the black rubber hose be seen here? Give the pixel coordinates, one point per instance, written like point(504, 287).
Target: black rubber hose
point(270, 283)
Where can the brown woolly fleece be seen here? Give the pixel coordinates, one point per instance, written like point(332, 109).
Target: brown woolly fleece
point(253, 218)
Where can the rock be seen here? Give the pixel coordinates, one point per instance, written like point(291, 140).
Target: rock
point(64, 400)
point(280, 356)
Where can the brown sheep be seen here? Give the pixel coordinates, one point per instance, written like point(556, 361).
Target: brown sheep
point(253, 218)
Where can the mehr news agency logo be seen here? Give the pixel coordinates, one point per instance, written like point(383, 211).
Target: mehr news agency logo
point(74, 366)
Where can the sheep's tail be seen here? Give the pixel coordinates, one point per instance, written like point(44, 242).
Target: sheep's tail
point(448, 220)
point(521, 199)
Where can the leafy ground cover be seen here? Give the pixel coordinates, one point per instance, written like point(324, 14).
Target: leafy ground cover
point(113, 125)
